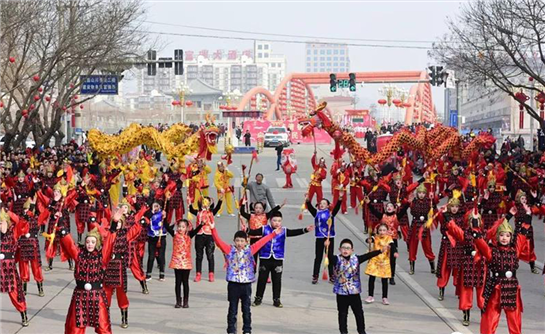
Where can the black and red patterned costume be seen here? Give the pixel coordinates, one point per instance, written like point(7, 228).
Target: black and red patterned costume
point(448, 261)
point(491, 210)
point(10, 282)
point(29, 249)
point(89, 305)
point(176, 201)
point(419, 212)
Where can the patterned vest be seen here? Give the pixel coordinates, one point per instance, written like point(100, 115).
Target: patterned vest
point(503, 259)
point(322, 227)
point(256, 222)
point(181, 252)
point(240, 266)
point(347, 276)
point(275, 247)
point(205, 217)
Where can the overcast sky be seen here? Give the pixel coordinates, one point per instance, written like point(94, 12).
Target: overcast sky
point(394, 20)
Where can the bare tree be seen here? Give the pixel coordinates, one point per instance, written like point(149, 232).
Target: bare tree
point(46, 46)
point(498, 44)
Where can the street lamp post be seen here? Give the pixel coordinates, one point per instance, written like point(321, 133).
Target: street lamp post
point(183, 91)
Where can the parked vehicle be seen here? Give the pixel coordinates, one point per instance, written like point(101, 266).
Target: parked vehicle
point(277, 135)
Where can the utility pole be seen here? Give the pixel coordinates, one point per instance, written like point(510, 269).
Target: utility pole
point(457, 82)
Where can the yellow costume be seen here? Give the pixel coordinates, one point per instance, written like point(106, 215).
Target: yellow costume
point(115, 188)
point(200, 182)
point(379, 266)
point(222, 181)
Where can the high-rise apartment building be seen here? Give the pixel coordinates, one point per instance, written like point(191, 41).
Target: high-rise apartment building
point(322, 57)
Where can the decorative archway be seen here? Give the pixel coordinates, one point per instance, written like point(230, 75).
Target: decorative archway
point(295, 92)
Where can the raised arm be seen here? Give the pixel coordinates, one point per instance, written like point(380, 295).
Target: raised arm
point(257, 246)
point(367, 256)
point(243, 212)
point(68, 245)
point(217, 207)
point(273, 210)
point(296, 232)
point(311, 208)
point(225, 248)
point(194, 231)
point(337, 207)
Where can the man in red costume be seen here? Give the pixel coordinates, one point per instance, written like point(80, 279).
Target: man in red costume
point(289, 166)
point(319, 174)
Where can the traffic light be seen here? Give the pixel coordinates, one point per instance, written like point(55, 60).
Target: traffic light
point(352, 82)
point(152, 66)
point(333, 82)
point(442, 76)
point(178, 62)
point(433, 74)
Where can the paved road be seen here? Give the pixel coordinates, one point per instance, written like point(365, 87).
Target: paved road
point(307, 308)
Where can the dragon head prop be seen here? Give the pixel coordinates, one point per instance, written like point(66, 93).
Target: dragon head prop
point(208, 135)
point(316, 119)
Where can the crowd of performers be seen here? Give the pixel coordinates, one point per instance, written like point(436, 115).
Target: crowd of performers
point(122, 203)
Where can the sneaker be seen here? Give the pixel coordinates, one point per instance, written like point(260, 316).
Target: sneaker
point(314, 279)
point(161, 277)
point(231, 214)
point(331, 280)
point(218, 215)
point(211, 277)
point(197, 277)
point(257, 301)
point(369, 300)
point(392, 281)
point(277, 303)
point(148, 278)
point(385, 301)
point(345, 212)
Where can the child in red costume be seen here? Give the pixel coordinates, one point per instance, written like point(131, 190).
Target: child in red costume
point(319, 174)
point(289, 166)
point(502, 289)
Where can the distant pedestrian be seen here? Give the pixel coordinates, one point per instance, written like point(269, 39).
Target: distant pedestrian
point(279, 150)
point(247, 138)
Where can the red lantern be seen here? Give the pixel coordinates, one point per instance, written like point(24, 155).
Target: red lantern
point(36, 97)
point(189, 103)
point(36, 78)
point(175, 103)
point(40, 89)
point(76, 97)
point(396, 102)
point(48, 98)
point(81, 106)
point(24, 112)
point(1, 104)
point(32, 106)
point(64, 108)
point(407, 105)
point(382, 102)
point(12, 59)
point(521, 98)
point(72, 85)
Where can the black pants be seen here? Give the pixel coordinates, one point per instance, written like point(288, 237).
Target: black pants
point(236, 292)
point(354, 302)
point(275, 268)
point(372, 286)
point(203, 241)
point(278, 162)
point(319, 254)
point(152, 248)
point(256, 255)
point(393, 260)
point(181, 277)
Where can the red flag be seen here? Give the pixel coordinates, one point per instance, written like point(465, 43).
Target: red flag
point(254, 156)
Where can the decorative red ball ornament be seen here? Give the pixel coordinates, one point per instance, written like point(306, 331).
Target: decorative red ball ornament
point(76, 97)
point(40, 89)
point(175, 103)
point(24, 112)
point(36, 78)
point(382, 102)
point(189, 103)
point(12, 60)
point(81, 106)
point(1, 104)
point(64, 108)
point(396, 101)
point(32, 106)
point(48, 98)
point(407, 105)
point(36, 97)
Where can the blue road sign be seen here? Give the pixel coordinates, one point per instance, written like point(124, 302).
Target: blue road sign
point(99, 84)
point(453, 118)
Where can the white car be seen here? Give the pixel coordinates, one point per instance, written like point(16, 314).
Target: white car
point(276, 135)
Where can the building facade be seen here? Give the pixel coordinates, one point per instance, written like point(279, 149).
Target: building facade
point(332, 58)
point(276, 64)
